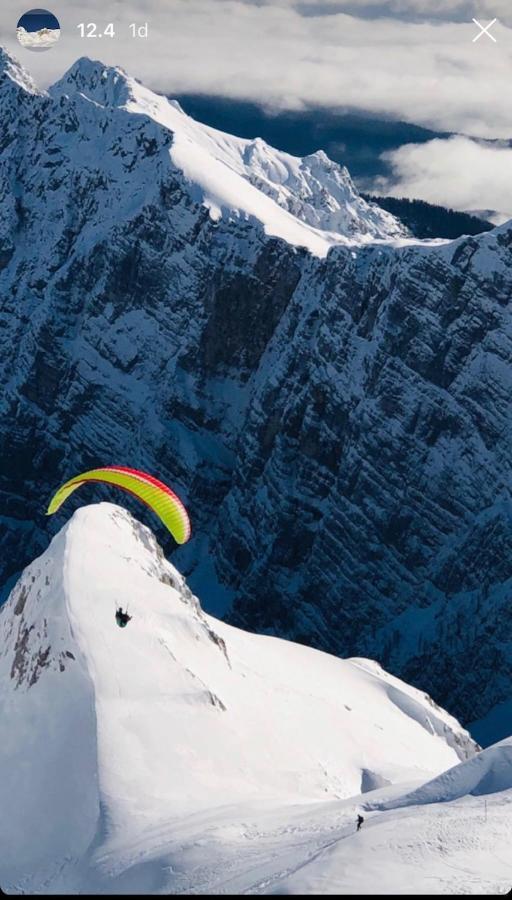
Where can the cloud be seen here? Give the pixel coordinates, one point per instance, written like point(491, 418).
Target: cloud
point(459, 173)
point(292, 54)
point(410, 10)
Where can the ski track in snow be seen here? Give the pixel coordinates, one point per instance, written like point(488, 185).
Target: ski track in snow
point(433, 849)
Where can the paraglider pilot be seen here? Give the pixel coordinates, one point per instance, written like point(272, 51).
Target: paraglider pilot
point(122, 618)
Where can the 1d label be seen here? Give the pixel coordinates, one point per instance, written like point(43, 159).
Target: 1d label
point(139, 30)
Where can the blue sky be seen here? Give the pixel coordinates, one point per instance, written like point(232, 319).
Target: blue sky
point(35, 19)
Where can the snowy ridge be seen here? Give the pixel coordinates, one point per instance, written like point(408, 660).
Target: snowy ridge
point(118, 732)
point(489, 772)
point(11, 70)
point(309, 202)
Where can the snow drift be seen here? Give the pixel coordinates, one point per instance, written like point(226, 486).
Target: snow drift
point(109, 733)
point(489, 772)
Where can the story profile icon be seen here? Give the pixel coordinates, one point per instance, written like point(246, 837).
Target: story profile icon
point(38, 29)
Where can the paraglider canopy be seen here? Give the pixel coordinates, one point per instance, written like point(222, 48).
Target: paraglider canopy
point(167, 506)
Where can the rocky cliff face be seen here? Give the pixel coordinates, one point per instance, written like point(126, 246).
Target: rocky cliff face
point(330, 398)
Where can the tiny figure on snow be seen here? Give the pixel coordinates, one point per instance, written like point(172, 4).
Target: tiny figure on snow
point(360, 821)
point(122, 618)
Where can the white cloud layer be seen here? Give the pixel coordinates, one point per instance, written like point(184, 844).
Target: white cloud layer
point(458, 173)
point(290, 53)
point(447, 10)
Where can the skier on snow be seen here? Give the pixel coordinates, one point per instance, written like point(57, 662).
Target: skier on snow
point(360, 821)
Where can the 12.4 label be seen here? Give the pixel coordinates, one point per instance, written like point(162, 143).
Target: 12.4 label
point(91, 30)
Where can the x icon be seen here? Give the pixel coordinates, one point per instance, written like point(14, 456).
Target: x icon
point(484, 31)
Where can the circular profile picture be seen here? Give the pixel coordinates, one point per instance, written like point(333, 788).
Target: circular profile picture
point(38, 30)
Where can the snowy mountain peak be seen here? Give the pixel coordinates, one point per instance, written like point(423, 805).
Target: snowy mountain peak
point(102, 558)
point(13, 71)
point(317, 191)
point(310, 202)
point(48, 609)
point(120, 731)
point(107, 85)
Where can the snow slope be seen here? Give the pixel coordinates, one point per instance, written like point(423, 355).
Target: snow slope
point(450, 847)
point(118, 742)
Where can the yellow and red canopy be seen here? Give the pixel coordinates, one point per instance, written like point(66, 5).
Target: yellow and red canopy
point(167, 506)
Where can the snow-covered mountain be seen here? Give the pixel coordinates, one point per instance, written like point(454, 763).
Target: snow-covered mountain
point(116, 742)
point(330, 398)
point(309, 202)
